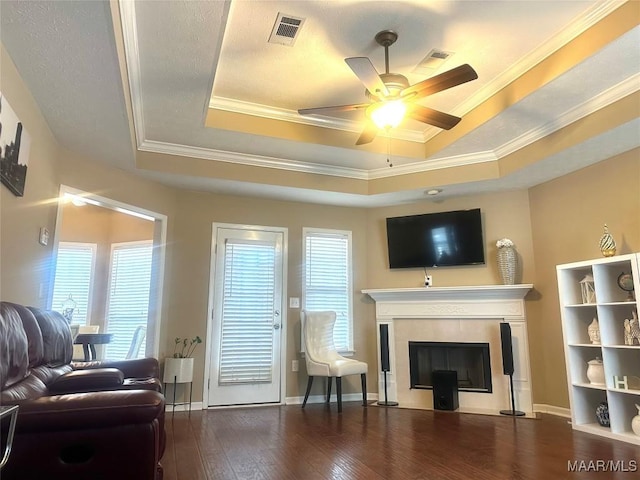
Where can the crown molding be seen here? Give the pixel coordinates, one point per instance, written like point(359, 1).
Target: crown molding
point(313, 168)
point(291, 116)
point(607, 97)
point(433, 164)
point(132, 58)
point(251, 159)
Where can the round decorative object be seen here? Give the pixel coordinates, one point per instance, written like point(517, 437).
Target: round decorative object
point(507, 262)
point(595, 372)
point(602, 414)
point(607, 243)
point(635, 422)
point(625, 282)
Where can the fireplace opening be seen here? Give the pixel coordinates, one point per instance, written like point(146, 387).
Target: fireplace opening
point(470, 360)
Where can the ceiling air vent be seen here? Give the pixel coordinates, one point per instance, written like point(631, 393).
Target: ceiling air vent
point(432, 62)
point(285, 30)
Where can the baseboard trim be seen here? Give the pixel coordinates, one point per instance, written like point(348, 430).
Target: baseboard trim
point(552, 410)
point(347, 397)
point(183, 408)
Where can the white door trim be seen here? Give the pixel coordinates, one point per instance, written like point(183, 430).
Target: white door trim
point(210, 307)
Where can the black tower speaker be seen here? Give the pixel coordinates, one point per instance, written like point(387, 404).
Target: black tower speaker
point(384, 347)
point(384, 362)
point(507, 366)
point(445, 389)
point(507, 348)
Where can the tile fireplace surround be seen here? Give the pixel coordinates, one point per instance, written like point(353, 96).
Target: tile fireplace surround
point(455, 314)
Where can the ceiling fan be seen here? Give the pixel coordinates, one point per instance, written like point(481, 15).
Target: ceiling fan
point(391, 98)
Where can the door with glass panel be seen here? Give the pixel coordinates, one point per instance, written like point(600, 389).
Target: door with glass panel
point(246, 334)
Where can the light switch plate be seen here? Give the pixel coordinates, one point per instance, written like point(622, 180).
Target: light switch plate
point(44, 236)
point(294, 302)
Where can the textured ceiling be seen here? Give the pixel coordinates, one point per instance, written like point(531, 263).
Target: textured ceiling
point(205, 84)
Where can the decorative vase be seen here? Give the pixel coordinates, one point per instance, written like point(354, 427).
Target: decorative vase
point(507, 262)
point(595, 372)
point(635, 422)
point(178, 370)
point(602, 414)
point(607, 243)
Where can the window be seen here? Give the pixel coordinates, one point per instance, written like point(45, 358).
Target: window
point(128, 302)
point(74, 277)
point(327, 281)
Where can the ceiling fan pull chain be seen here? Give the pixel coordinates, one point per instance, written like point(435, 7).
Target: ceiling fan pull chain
point(388, 130)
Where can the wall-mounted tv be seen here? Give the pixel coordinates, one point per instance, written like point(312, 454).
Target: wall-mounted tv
point(436, 239)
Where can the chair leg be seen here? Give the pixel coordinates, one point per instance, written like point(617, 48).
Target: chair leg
point(306, 395)
point(329, 380)
point(363, 380)
point(339, 393)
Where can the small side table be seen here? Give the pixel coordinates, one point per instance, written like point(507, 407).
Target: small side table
point(176, 371)
point(8, 411)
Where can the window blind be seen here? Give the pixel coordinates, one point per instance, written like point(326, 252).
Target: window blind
point(327, 280)
point(128, 301)
point(74, 278)
point(246, 350)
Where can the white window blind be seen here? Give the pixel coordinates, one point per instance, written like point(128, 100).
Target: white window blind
point(327, 279)
point(128, 301)
point(246, 351)
point(74, 278)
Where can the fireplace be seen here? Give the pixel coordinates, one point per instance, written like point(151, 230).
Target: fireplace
point(464, 315)
point(470, 360)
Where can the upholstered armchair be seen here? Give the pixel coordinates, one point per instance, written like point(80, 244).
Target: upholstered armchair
point(323, 360)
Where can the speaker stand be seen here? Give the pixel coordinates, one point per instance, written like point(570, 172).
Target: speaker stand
point(513, 412)
point(386, 402)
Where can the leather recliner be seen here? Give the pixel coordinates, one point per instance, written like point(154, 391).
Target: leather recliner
point(102, 420)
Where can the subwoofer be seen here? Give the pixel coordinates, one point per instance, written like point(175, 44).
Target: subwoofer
point(445, 389)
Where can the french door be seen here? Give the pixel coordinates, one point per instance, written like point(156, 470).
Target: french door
point(247, 317)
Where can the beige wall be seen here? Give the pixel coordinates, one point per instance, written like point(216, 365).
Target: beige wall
point(24, 263)
point(193, 234)
point(504, 214)
point(567, 217)
point(553, 223)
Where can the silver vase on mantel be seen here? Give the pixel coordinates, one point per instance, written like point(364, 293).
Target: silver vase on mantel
point(507, 263)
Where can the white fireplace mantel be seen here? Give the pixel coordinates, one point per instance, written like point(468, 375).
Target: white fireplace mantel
point(455, 314)
point(477, 292)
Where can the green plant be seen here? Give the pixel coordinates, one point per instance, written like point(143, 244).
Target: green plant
point(188, 346)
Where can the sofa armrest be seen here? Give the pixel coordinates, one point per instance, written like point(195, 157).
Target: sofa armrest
point(134, 368)
point(90, 410)
point(87, 381)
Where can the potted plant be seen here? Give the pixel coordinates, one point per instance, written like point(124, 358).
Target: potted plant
point(179, 368)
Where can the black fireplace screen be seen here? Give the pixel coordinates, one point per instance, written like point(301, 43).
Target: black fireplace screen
point(470, 360)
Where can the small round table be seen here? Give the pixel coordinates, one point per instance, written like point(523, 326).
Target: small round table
point(89, 342)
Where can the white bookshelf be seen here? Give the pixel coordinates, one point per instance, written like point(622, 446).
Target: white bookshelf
point(611, 308)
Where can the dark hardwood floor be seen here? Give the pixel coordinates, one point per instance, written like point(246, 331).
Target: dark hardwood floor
point(289, 443)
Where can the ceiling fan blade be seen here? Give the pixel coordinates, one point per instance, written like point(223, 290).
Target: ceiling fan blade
point(368, 134)
point(368, 75)
point(451, 78)
point(433, 117)
point(334, 108)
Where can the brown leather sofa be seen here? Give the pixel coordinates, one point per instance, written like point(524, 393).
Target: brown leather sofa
point(97, 420)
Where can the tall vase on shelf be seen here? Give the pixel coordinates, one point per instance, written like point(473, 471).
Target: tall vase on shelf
point(507, 261)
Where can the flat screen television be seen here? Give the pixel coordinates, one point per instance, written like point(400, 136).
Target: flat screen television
point(436, 239)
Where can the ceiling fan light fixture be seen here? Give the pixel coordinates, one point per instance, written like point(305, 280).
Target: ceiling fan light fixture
point(387, 114)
